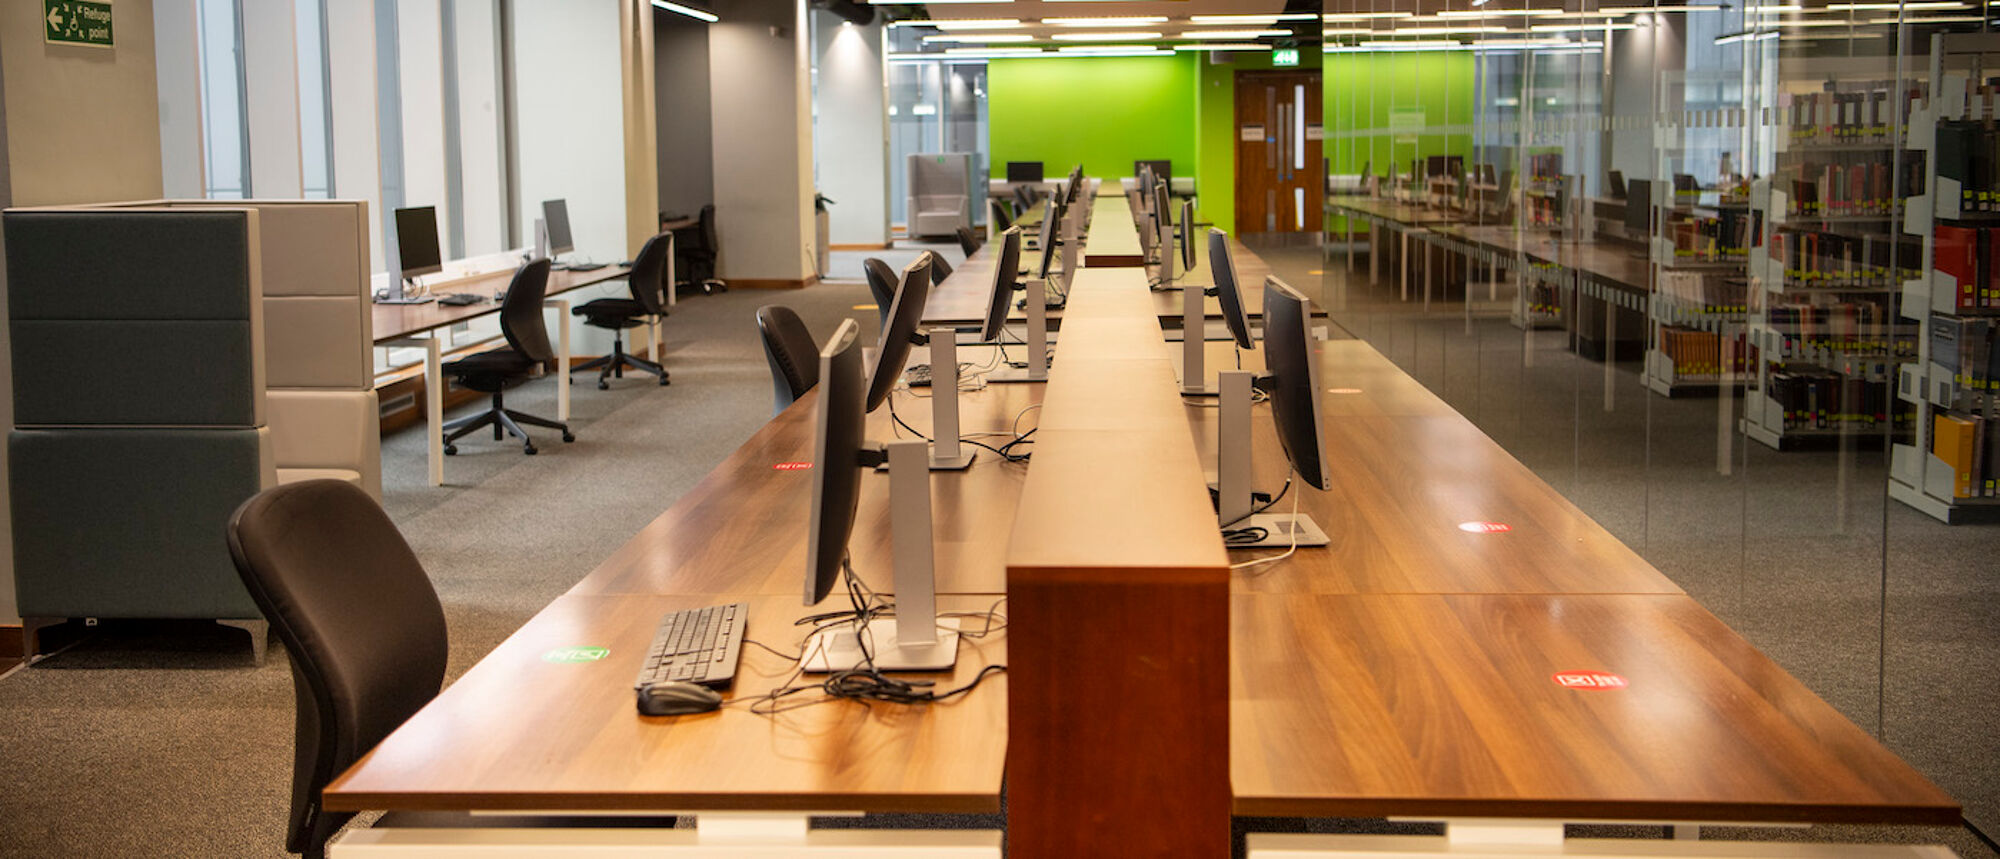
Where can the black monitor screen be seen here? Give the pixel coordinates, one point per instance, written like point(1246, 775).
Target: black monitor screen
point(1162, 169)
point(555, 213)
point(1024, 171)
point(417, 241)
point(1639, 205)
point(1005, 275)
point(1051, 236)
point(1615, 184)
point(906, 312)
point(1294, 380)
point(839, 430)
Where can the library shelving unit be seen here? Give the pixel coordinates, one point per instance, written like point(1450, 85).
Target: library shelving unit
point(1944, 470)
point(1698, 306)
point(1827, 266)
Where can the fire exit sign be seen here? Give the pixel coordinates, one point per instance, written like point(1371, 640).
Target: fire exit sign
point(1285, 57)
point(76, 22)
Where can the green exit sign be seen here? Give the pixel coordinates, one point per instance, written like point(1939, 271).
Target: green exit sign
point(1285, 57)
point(76, 22)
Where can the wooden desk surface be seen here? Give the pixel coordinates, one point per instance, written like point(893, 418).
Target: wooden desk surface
point(1408, 214)
point(397, 321)
point(1114, 238)
point(1611, 263)
point(1447, 706)
point(518, 732)
point(1407, 470)
point(742, 529)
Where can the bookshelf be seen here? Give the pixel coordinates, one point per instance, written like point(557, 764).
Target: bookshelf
point(1828, 262)
point(1947, 468)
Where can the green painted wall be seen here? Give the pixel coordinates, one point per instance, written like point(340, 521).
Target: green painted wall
point(1367, 92)
point(1105, 112)
point(1215, 145)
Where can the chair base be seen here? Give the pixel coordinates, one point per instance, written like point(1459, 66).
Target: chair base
point(616, 363)
point(505, 422)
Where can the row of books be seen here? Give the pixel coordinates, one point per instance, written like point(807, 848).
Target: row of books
point(1967, 151)
point(1821, 331)
point(1812, 259)
point(1970, 444)
point(1722, 237)
point(1847, 118)
point(1812, 398)
point(1704, 292)
point(1967, 255)
point(1547, 166)
point(1855, 184)
point(1704, 354)
point(1964, 348)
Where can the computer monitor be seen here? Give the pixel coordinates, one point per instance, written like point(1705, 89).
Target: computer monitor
point(1684, 184)
point(1293, 381)
point(1020, 172)
point(913, 288)
point(417, 241)
point(1614, 184)
point(1639, 206)
point(1161, 169)
point(555, 213)
point(1075, 182)
point(1222, 267)
point(1049, 237)
point(1187, 235)
point(839, 426)
point(1435, 167)
point(1005, 274)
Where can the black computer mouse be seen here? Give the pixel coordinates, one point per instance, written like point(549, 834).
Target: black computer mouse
point(677, 699)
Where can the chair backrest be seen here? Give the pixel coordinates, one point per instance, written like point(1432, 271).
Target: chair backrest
point(967, 241)
point(1002, 219)
point(793, 355)
point(882, 284)
point(648, 277)
point(521, 311)
point(939, 269)
point(709, 240)
point(358, 616)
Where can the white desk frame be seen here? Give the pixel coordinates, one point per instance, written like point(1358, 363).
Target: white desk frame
point(716, 835)
point(1481, 838)
point(433, 348)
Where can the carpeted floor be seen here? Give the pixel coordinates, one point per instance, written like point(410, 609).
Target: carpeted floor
point(162, 739)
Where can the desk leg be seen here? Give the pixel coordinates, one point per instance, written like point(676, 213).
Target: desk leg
point(1404, 265)
point(433, 401)
point(563, 356)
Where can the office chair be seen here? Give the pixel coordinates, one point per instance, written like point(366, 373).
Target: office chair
point(882, 284)
point(1024, 198)
point(967, 241)
point(646, 281)
point(793, 355)
point(939, 269)
point(359, 618)
point(697, 253)
point(494, 372)
point(1002, 218)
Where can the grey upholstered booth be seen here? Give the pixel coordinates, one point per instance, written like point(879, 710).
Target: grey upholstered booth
point(940, 189)
point(124, 469)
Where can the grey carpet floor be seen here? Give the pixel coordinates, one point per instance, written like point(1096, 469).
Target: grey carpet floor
point(162, 739)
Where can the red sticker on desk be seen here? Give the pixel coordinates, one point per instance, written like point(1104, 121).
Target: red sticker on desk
point(1485, 527)
point(1589, 680)
point(791, 466)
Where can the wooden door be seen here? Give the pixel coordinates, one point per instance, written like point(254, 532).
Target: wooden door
point(1278, 182)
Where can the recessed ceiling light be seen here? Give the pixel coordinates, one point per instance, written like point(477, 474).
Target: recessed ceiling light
point(979, 37)
point(1224, 46)
point(1105, 37)
point(1106, 21)
point(1364, 16)
point(1232, 34)
point(977, 24)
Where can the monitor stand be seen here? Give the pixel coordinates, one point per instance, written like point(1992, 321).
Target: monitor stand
point(916, 639)
point(401, 295)
point(1232, 461)
point(1038, 341)
point(947, 453)
point(1194, 343)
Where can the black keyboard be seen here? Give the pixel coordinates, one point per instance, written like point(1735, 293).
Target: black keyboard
point(698, 645)
point(461, 299)
point(585, 266)
point(918, 375)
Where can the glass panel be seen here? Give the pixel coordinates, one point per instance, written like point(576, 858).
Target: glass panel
point(315, 112)
point(225, 137)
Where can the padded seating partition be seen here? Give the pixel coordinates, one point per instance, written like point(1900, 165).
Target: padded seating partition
point(318, 321)
point(940, 188)
point(124, 472)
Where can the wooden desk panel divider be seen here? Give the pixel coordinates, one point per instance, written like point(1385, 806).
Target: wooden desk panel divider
point(1118, 591)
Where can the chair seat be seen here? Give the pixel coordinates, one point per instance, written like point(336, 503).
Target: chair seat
point(612, 313)
point(300, 475)
point(491, 371)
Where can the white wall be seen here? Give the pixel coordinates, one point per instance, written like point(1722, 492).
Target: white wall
point(484, 208)
point(357, 156)
point(851, 136)
point(271, 99)
point(419, 45)
point(763, 146)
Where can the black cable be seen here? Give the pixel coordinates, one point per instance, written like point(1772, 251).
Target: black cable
point(1002, 451)
point(1245, 536)
point(793, 657)
point(1267, 505)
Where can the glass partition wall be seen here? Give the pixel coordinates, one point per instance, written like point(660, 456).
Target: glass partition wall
point(1722, 275)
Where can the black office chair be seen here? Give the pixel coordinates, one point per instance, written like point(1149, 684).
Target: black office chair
point(496, 371)
point(967, 241)
point(359, 618)
point(1002, 218)
point(1024, 198)
point(793, 355)
point(882, 282)
point(646, 281)
point(696, 252)
point(939, 269)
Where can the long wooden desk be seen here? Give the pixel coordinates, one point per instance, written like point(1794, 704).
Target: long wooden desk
point(1114, 240)
point(408, 325)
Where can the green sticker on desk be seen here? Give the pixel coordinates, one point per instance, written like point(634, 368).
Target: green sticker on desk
point(576, 654)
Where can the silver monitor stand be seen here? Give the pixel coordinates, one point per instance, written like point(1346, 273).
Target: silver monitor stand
point(1038, 341)
point(947, 453)
point(916, 639)
point(1233, 473)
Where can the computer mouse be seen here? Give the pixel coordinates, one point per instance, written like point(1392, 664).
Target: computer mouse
point(677, 699)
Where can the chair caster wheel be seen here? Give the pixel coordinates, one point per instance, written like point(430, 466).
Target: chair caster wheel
point(569, 437)
point(664, 381)
point(529, 451)
point(604, 386)
point(451, 450)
